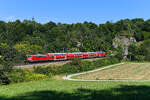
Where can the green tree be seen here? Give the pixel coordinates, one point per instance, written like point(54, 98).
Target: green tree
point(146, 49)
point(120, 52)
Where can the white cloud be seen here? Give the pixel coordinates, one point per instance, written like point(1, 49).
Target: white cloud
point(8, 18)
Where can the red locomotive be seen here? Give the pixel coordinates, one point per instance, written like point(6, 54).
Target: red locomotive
point(38, 57)
point(64, 56)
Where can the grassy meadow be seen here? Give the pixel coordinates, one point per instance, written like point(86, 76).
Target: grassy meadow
point(52, 89)
point(128, 71)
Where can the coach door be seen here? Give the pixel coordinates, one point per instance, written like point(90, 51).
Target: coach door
point(51, 57)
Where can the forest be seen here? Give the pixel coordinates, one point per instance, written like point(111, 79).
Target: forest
point(19, 39)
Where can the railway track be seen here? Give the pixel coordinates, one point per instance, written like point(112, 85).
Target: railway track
point(40, 64)
point(52, 63)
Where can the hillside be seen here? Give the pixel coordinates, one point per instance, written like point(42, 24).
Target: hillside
point(128, 71)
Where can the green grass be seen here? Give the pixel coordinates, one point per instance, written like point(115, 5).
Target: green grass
point(52, 89)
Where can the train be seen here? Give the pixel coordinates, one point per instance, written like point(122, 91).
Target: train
point(64, 56)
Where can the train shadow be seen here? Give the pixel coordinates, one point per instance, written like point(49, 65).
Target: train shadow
point(124, 92)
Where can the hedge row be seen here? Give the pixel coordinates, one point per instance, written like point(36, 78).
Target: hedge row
point(22, 75)
point(86, 65)
point(75, 66)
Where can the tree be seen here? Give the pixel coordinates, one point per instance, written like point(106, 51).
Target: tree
point(28, 49)
point(135, 53)
point(146, 35)
point(146, 49)
point(120, 52)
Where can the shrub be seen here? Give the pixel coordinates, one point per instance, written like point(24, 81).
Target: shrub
point(34, 76)
point(86, 65)
point(140, 57)
point(113, 60)
point(105, 61)
point(17, 75)
point(99, 63)
point(4, 78)
point(5, 68)
point(45, 71)
point(68, 68)
point(75, 68)
point(76, 61)
point(21, 75)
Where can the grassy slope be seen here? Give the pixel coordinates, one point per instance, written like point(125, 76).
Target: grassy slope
point(51, 89)
point(128, 71)
point(56, 89)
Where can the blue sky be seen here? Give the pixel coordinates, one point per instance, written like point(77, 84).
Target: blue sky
point(73, 11)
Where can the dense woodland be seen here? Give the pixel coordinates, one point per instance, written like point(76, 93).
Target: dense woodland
point(18, 39)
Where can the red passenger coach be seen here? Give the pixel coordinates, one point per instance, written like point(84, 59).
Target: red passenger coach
point(50, 56)
point(58, 56)
point(103, 54)
point(85, 55)
point(99, 54)
point(70, 55)
point(78, 55)
point(92, 54)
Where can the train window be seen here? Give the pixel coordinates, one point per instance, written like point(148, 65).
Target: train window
point(60, 54)
point(29, 56)
point(92, 53)
point(78, 53)
point(40, 56)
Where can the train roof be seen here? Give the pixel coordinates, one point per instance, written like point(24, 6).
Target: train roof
point(101, 52)
point(38, 55)
point(91, 52)
point(77, 53)
point(58, 53)
point(66, 53)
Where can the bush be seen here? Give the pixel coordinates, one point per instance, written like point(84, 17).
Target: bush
point(71, 68)
point(99, 63)
point(105, 62)
point(86, 65)
point(46, 71)
point(4, 78)
point(33, 76)
point(4, 70)
point(114, 60)
point(68, 68)
point(76, 61)
point(17, 75)
point(140, 58)
point(21, 75)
